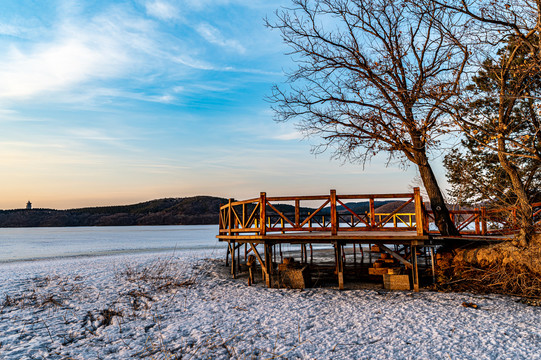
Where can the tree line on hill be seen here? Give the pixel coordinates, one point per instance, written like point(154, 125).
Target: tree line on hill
point(197, 210)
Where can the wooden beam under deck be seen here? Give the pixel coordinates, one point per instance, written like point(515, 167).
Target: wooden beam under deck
point(349, 237)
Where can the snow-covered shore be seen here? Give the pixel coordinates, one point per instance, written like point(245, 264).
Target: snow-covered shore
point(184, 306)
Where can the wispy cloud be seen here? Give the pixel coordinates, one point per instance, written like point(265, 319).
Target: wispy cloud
point(77, 54)
point(51, 68)
point(161, 10)
point(295, 135)
point(11, 30)
point(114, 44)
point(194, 63)
point(214, 36)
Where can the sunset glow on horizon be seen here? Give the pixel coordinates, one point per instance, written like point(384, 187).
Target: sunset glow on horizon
point(119, 102)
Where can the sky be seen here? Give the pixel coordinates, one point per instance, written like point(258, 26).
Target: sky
point(118, 102)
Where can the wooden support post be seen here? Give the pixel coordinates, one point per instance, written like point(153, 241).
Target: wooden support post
point(354, 255)
point(268, 264)
point(311, 254)
point(238, 257)
point(261, 262)
point(433, 265)
point(339, 265)
point(262, 213)
point(334, 217)
point(233, 265)
point(227, 254)
point(281, 254)
point(415, 269)
point(419, 218)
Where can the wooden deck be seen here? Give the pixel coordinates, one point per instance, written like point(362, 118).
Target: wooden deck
point(351, 237)
point(270, 222)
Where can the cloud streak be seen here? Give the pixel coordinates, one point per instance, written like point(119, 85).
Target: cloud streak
point(114, 44)
point(214, 36)
point(161, 10)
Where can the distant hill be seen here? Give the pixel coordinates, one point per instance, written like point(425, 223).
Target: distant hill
point(362, 207)
point(196, 210)
point(393, 205)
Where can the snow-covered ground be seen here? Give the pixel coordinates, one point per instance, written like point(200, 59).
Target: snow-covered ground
point(183, 306)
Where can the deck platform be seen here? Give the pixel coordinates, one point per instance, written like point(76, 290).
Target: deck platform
point(267, 223)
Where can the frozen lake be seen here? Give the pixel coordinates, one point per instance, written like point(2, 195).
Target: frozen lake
point(19, 244)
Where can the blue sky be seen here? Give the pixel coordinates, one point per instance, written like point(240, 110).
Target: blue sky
point(116, 102)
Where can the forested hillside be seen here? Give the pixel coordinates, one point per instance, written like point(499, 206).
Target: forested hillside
point(170, 211)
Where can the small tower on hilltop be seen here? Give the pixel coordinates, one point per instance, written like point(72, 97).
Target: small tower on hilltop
point(28, 205)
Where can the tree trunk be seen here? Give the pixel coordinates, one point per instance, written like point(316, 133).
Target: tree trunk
point(439, 208)
point(524, 208)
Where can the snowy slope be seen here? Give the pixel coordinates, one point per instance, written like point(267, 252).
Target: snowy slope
point(172, 306)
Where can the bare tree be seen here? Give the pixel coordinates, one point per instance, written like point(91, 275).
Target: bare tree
point(373, 76)
point(507, 37)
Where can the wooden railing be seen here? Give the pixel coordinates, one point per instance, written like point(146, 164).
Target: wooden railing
point(264, 215)
point(267, 214)
point(483, 221)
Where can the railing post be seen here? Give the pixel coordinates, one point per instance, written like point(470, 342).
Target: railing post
point(426, 217)
point(484, 220)
point(372, 213)
point(419, 219)
point(262, 213)
point(334, 217)
point(297, 212)
point(220, 219)
point(477, 223)
point(243, 216)
point(229, 219)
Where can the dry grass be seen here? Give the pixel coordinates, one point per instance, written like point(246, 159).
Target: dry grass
point(160, 275)
point(502, 268)
point(143, 291)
